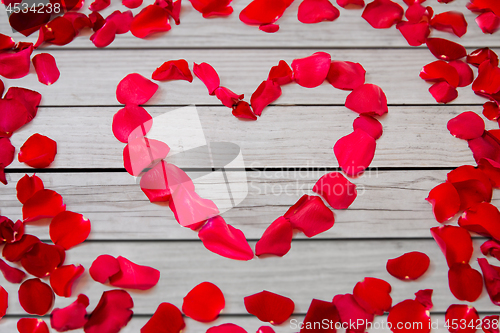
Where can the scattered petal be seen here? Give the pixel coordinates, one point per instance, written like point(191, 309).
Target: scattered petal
point(424, 297)
point(269, 28)
point(491, 247)
point(133, 276)
point(141, 153)
point(443, 92)
point(29, 98)
point(35, 297)
point(208, 76)
point(451, 21)
point(111, 313)
point(367, 99)
point(351, 312)
point(455, 243)
point(460, 313)
point(38, 151)
point(71, 317)
point(491, 110)
point(491, 280)
point(409, 312)
point(166, 319)
point(42, 259)
point(269, 307)
point(98, 5)
point(13, 115)
point(10, 232)
point(415, 34)
point(267, 92)
point(11, 274)
point(466, 284)
point(150, 20)
point(7, 153)
point(173, 70)
point(465, 73)
point(315, 11)
point(105, 35)
point(4, 302)
point(264, 11)
point(467, 125)
point(409, 266)
point(46, 68)
point(368, 124)
point(310, 215)
point(227, 97)
point(489, 22)
point(355, 152)
point(488, 79)
point(15, 251)
point(483, 219)
point(128, 120)
point(104, 267)
point(15, 64)
point(122, 20)
point(317, 312)
point(440, 70)
point(32, 325)
point(346, 75)
point(63, 277)
point(477, 57)
point(473, 186)
point(339, 192)
point(242, 110)
point(59, 31)
point(27, 186)
point(311, 71)
point(135, 89)
point(382, 14)
point(211, 8)
point(277, 239)
point(189, 208)
point(162, 180)
point(226, 328)
point(132, 3)
point(351, 4)
point(445, 49)
point(490, 324)
point(281, 74)
point(373, 295)
point(44, 203)
point(79, 20)
point(204, 302)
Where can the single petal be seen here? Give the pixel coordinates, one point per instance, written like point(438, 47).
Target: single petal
point(490, 324)
point(13, 115)
point(44, 203)
point(491, 247)
point(79, 20)
point(6, 42)
point(162, 180)
point(98, 5)
point(15, 64)
point(226, 328)
point(483, 219)
point(63, 278)
point(225, 240)
point(111, 313)
point(269, 28)
point(317, 312)
point(492, 170)
point(141, 153)
point(351, 4)
point(415, 34)
point(27, 186)
point(355, 152)
point(227, 97)
point(264, 11)
point(42, 259)
point(105, 35)
point(409, 266)
point(445, 49)
point(418, 13)
point(339, 192)
point(29, 98)
point(59, 31)
point(128, 120)
point(133, 276)
point(173, 70)
point(189, 208)
point(368, 124)
point(267, 92)
point(166, 319)
point(450, 21)
point(477, 57)
point(15, 251)
point(68, 229)
point(104, 267)
point(491, 276)
point(32, 325)
point(382, 14)
point(132, 3)
point(36, 297)
point(489, 22)
point(242, 110)
point(409, 313)
point(460, 313)
point(455, 243)
point(281, 74)
point(315, 11)
point(488, 79)
point(485, 147)
point(277, 239)
point(208, 76)
point(310, 215)
point(122, 20)
point(150, 20)
point(467, 125)
point(7, 153)
point(443, 92)
point(373, 295)
point(346, 75)
point(269, 307)
point(38, 151)
point(204, 302)
point(465, 73)
point(72, 317)
point(4, 302)
point(424, 297)
point(491, 110)
point(351, 312)
point(11, 274)
point(466, 284)
point(211, 8)
point(367, 99)
point(46, 68)
point(135, 89)
point(265, 329)
point(311, 71)
point(473, 185)
point(440, 70)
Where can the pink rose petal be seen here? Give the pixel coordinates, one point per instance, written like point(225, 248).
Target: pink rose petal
point(367, 99)
point(267, 92)
point(355, 152)
point(46, 68)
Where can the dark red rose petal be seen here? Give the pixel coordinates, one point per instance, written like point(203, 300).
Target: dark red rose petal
point(346, 75)
point(10, 232)
point(141, 153)
point(489, 22)
point(211, 8)
point(415, 33)
point(59, 31)
point(98, 5)
point(454, 242)
point(440, 70)
point(35, 297)
point(382, 14)
point(150, 20)
point(466, 284)
point(29, 98)
point(13, 115)
point(412, 314)
point(42, 259)
point(242, 110)
point(189, 208)
point(490, 324)
point(368, 124)
point(204, 302)
point(135, 89)
point(351, 4)
point(491, 110)
point(132, 3)
point(350, 312)
point(227, 97)
point(264, 12)
point(355, 152)
point(72, 317)
point(27, 22)
point(488, 79)
point(367, 99)
point(315, 11)
point(269, 307)
point(122, 20)
point(44, 203)
point(27, 186)
point(277, 239)
point(467, 125)
point(339, 192)
point(460, 313)
point(63, 277)
point(38, 151)
point(373, 295)
point(310, 215)
point(226, 328)
point(32, 325)
point(491, 247)
point(15, 251)
point(451, 21)
point(69, 229)
point(128, 120)
point(46, 68)
point(104, 267)
point(410, 266)
point(166, 319)
point(11, 274)
point(267, 92)
point(15, 65)
point(445, 49)
point(317, 312)
point(225, 240)
point(311, 71)
point(491, 276)
point(477, 57)
point(465, 73)
point(483, 219)
point(443, 92)
point(208, 75)
point(111, 313)
point(424, 297)
point(96, 20)
point(173, 70)
point(105, 35)
point(281, 74)
point(7, 153)
point(133, 276)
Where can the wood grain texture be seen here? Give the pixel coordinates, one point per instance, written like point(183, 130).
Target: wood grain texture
point(90, 77)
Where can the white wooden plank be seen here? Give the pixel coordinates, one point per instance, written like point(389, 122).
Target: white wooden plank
point(349, 30)
point(90, 77)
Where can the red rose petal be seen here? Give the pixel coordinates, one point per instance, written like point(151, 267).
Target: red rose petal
point(15, 251)
point(189, 208)
point(46, 68)
point(263, 11)
point(104, 267)
point(373, 295)
point(483, 219)
point(317, 312)
point(311, 71)
point(27, 186)
point(11, 274)
point(163, 179)
point(455, 243)
point(445, 50)
point(79, 20)
point(491, 247)
point(409, 266)
point(267, 92)
point(465, 73)
point(491, 280)
point(135, 89)
point(29, 98)
point(13, 115)
point(69, 229)
point(265, 329)
point(225, 240)
point(382, 14)
point(310, 215)
point(204, 302)
point(477, 57)
point(128, 119)
point(35, 297)
point(467, 125)
point(415, 33)
point(227, 97)
point(122, 20)
point(489, 22)
point(488, 79)
point(451, 21)
point(141, 153)
point(71, 317)
point(491, 110)
point(42, 259)
point(492, 170)
point(133, 276)
point(4, 302)
point(440, 70)
point(466, 284)
point(424, 297)
point(166, 319)
point(473, 186)
point(111, 313)
point(59, 31)
point(277, 239)
point(339, 192)
point(355, 152)
point(351, 312)
point(7, 153)
point(226, 328)
point(462, 313)
point(281, 74)
point(63, 277)
point(98, 5)
point(351, 4)
point(367, 99)
point(105, 35)
point(411, 314)
point(443, 92)
point(10, 232)
point(368, 124)
point(132, 3)
point(44, 203)
point(150, 20)
point(6, 42)
point(485, 147)
point(242, 110)
point(346, 75)
point(269, 28)
point(208, 76)
point(96, 20)
point(490, 324)
point(269, 307)
point(38, 151)
point(211, 8)
point(173, 70)
point(315, 11)
point(32, 325)
point(15, 64)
